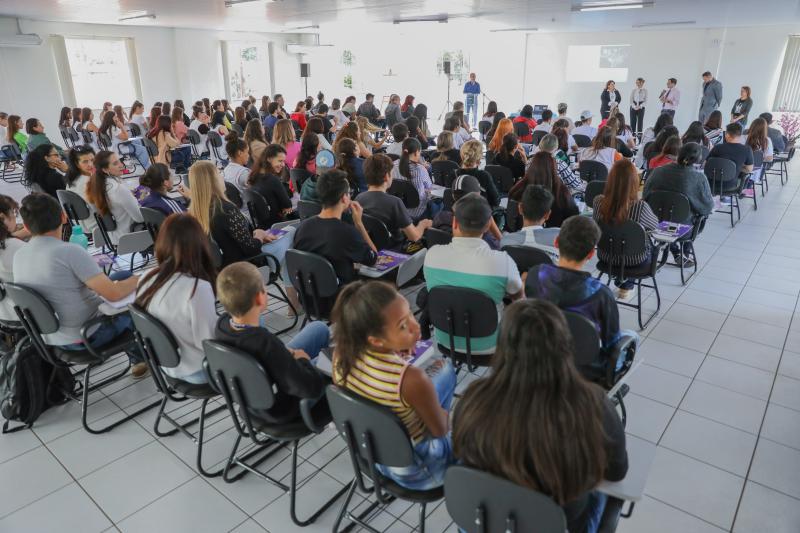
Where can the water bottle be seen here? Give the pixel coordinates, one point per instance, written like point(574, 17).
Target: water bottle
point(78, 237)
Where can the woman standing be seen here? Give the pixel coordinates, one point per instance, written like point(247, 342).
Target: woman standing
point(609, 98)
point(741, 107)
point(638, 102)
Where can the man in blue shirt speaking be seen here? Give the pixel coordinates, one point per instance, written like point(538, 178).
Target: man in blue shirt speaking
point(472, 89)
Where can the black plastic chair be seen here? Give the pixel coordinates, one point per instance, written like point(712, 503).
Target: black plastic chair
point(527, 257)
point(378, 232)
point(537, 137)
point(238, 129)
point(674, 207)
point(104, 141)
point(298, 177)
point(393, 157)
point(462, 312)
point(624, 241)
point(153, 219)
point(307, 209)
point(513, 217)
point(592, 171)
point(257, 208)
point(502, 177)
point(74, 206)
point(315, 281)
point(194, 140)
point(65, 136)
point(583, 141)
point(725, 183)
point(161, 351)
point(214, 140)
point(38, 318)
point(11, 161)
point(88, 137)
point(479, 502)
point(136, 131)
point(781, 160)
point(405, 190)
point(483, 128)
point(758, 170)
point(249, 394)
point(521, 129)
point(490, 155)
point(593, 190)
point(374, 435)
point(443, 172)
point(152, 148)
point(588, 351)
point(233, 194)
point(433, 237)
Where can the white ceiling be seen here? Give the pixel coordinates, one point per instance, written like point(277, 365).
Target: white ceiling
point(349, 15)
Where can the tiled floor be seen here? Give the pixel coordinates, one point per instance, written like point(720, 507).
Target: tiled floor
point(718, 391)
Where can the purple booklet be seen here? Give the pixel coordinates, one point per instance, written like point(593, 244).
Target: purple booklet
point(103, 260)
point(388, 259)
point(419, 349)
point(672, 229)
point(277, 232)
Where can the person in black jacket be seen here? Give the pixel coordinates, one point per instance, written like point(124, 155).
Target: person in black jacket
point(567, 435)
point(471, 154)
point(42, 168)
point(265, 179)
point(290, 367)
point(609, 98)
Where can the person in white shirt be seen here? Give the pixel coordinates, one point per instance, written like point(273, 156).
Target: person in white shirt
point(670, 98)
point(602, 148)
point(107, 194)
point(9, 245)
point(137, 116)
point(179, 292)
point(338, 116)
point(3, 125)
point(546, 124)
point(638, 103)
point(238, 153)
point(80, 167)
point(586, 127)
point(399, 134)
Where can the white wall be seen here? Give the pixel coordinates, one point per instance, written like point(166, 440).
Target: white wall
point(738, 56)
point(173, 63)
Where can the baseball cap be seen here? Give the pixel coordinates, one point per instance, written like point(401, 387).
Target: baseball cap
point(325, 159)
point(586, 114)
point(466, 184)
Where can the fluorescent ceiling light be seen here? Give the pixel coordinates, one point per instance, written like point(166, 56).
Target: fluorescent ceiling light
point(296, 28)
point(514, 29)
point(611, 7)
point(231, 3)
point(132, 15)
point(441, 19)
point(653, 24)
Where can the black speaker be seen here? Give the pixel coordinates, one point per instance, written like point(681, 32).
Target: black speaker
point(446, 67)
point(305, 70)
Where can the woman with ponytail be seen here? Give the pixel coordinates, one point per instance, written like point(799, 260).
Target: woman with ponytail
point(411, 168)
point(238, 154)
point(109, 196)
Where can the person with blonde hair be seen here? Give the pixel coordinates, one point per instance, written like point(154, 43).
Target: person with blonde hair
point(350, 131)
point(366, 131)
point(471, 154)
point(283, 134)
point(445, 148)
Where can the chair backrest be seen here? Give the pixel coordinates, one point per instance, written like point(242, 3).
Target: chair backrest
point(88, 136)
point(669, 205)
point(490, 155)
point(37, 312)
point(307, 209)
point(623, 240)
point(719, 170)
point(513, 216)
point(537, 136)
point(448, 200)
point(393, 157)
point(155, 338)
point(239, 377)
point(104, 140)
point(136, 131)
point(479, 502)
point(233, 194)
point(441, 171)
point(152, 148)
point(257, 207)
point(592, 171)
point(313, 277)
point(238, 129)
point(435, 236)
point(483, 127)
point(374, 434)
point(76, 207)
point(194, 137)
point(298, 176)
point(378, 232)
point(214, 139)
point(593, 189)
point(758, 159)
point(585, 339)
point(521, 129)
point(502, 176)
point(583, 141)
point(406, 191)
point(462, 312)
point(527, 257)
point(152, 218)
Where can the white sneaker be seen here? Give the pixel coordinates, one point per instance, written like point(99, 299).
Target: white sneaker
point(626, 295)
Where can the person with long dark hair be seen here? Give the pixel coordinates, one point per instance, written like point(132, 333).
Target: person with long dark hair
point(37, 137)
point(741, 107)
point(265, 179)
point(421, 113)
point(411, 168)
point(668, 154)
point(347, 160)
point(491, 111)
point(650, 135)
point(535, 421)
point(137, 116)
point(283, 134)
point(15, 134)
point(180, 293)
point(758, 139)
point(112, 127)
point(609, 99)
point(169, 149)
point(307, 157)
point(254, 137)
point(512, 156)
point(713, 126)
point(9, 246)
point(236, 172)
point(106, 192)
point(374, 327)
point(603, 148)
point(542, 171)
point(154, 186)
point(696, 134)
point(654, 148)
point(45, 169)
point(315, 126)
point(299, 115)
point(65, 117)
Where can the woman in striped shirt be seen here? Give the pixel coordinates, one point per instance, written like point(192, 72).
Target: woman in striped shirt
point(411, 167)
point(618, 203)
point(375, 333)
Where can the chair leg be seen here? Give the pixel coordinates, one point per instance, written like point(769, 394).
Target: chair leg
point(343, 510)
point(293, 494)
point(422, 518)
point(622, 409)
point(85, 404)
point(199, 441)
point(285, 298)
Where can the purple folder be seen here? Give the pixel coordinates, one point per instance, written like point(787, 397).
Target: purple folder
point(682, 229)
point(388, 259)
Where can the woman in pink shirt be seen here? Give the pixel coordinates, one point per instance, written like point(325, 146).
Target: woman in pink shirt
point(179, 129)
point(283, 134)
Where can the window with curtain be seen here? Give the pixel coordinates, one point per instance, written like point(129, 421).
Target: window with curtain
point(101, 71)
point(247, 69)
point(787, 97)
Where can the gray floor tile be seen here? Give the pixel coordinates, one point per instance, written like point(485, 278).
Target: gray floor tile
point(777, 467)
point(15, 444)
point(647, 418)
point(746, 352)
point(708, 441)
point(697, 317)
point(706, 300)
point(699, 340)
point(653, 516)
point(41, 473)
point(766, 314)
point(657, 384)
point(67, 510)
point(786, 392)
point(736, 377)
point(725, 406)
point(755, 331)
point(715, 285)
point(694, 487)
point(764, 510)
point(790, 365)
point(793, 338)
point(666, 356)
point(782, 425)
point(767, 297)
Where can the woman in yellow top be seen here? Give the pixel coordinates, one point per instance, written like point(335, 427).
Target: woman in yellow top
point(375, 332)
point(166, 142)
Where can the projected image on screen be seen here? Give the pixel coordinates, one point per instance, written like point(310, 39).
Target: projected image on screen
point(598, 63)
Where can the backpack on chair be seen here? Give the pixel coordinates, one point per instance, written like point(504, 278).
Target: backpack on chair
point(29, 385)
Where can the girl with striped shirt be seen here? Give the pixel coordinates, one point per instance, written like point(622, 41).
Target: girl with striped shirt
point(375, 332)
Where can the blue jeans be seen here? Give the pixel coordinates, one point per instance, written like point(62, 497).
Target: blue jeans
point(471, 104)
point(107, 332)
point(278, 248)
point(433, 455)
point(139, 152)
point(596, 505)
point(181, 157)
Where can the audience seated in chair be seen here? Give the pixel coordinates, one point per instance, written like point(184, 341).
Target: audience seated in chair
point(153, 188)
point(669, 153)
point(469, 262)
point(242, 293)
point(236, 172)
point(265, 179)
point(11, 241)
point(109, 195)
point(535, 210)
point(375, 329)
point(399, 134)
point(180, 292)
point(471, 154)
point(585, 127)
point(411, 167)
point(567, 437)
point(603, 148)
point(733, 150)
point(445, 150)
point(542, 170)
point(70, 280)
point(80, 169)
point(512, 156)
point(44, 169)
point(462, 186)
point(573, 182)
